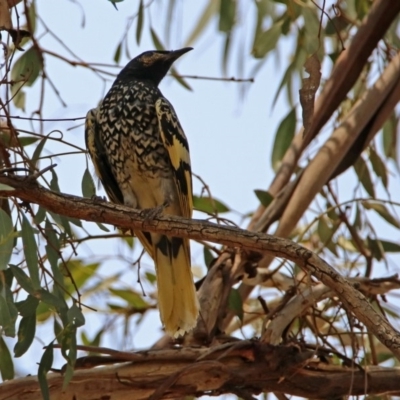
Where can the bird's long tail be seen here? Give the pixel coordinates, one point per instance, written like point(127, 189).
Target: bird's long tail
point(178, 304)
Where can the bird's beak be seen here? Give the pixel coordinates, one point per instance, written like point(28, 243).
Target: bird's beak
point(175, 54)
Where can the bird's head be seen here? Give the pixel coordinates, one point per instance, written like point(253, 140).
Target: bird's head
point(151, 65)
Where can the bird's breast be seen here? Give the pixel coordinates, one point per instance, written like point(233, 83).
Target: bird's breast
point(130, 132)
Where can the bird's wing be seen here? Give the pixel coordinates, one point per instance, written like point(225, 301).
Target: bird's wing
point(98, 154)
point(177, 146)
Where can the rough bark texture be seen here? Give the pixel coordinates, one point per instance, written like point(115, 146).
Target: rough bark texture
point(244, 368)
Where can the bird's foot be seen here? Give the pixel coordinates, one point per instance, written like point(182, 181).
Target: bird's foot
point(151, 213)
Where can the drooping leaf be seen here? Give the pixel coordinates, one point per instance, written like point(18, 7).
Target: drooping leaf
point(267, 40)
point(5, 187)
point(208, 256)
point(88, 186)
point(139, 26)
point(362, 171)
point(26, 334)
point(75, 316)
point(25, 72)
point(27, 140)
point(134, 299)
point(7, 235)
point(382, 210)
point(209, 205)
point(6, 363)
point(50, 299)
point(180, 80)
point(6, 321)
point(156, 40)
point(378, 166)
point(376, 248)
point(264, 197)
point(23, 279)
point(79, 271)
point(227, 15)
point(30, 251)
point(209, 11)
point(38, 151)
point(117, 54)
point(390, 247)
point(45, 365)
point(235, 303)
point(283, 138)
point(28, 306)
point(389, 137)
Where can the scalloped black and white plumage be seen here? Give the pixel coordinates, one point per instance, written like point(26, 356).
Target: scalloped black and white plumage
point(141, 155)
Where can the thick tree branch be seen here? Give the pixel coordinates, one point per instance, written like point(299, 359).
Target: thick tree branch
point(241, 367)
point(29, 190)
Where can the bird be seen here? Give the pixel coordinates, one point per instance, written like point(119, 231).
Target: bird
point(141, 155)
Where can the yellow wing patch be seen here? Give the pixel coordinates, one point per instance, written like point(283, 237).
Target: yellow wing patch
point(177, 146)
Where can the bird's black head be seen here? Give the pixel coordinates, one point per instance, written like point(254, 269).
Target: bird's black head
point(151, 65)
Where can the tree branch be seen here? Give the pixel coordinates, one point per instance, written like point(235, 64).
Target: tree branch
point(241, 367)
point(29, 190)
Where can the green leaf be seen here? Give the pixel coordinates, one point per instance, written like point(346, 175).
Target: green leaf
point(6, 321)
point(390, 247)
point(88, 186)
point(8, 310)
point(389, 137)
point(210, 9)
point(45, 365)
point(7, 235)
point(311, 27)
point(44, 312)
point(362, 171)
point(267, 40)
point(378, 166)
point(151, 277)
point(102, 227)
point(156, 40)
point(139, 26)
point(79, 271)
point(25, 72)
point(264, 197)
point(235, 303)
point(4, 187)
point(75, 316)
point(208, 256)
point(209, 205)
point(23, 279)
point(283, 138)
point(51, 299)
point(26, 334)
point(32, 16)
point(180, 80)
point(113, 2)
point(19, 99)
point(382, 211)
point(28, 140)
point(38, 151)
point(54, 182)
point(6, 364)
point(376, 248)
point(117, 54)
point(28, 307)
point(227, 15)
point(134, 299)
point(30, 251)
